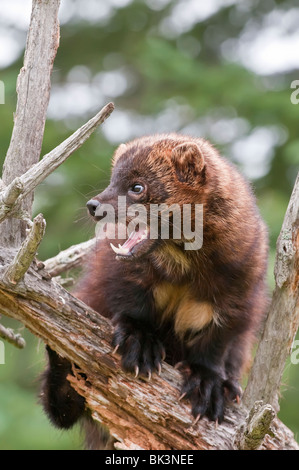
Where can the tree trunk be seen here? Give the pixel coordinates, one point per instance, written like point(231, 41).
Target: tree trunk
point(33, 89)
point(283, 317)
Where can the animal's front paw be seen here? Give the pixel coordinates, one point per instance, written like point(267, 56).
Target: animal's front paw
point(141, 352)
point(208, 392)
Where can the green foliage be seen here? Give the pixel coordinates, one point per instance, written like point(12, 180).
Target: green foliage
point(161, 78)
point(23, 425)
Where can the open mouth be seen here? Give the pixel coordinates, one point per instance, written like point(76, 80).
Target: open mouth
point(129, 247)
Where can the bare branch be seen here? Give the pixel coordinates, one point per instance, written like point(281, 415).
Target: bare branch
point(56, 157)
point(33, 89)
point(14, 338)
point(70, 258)
point(27, 182)
point(17, 269)
point(283, 318)
point(8, 197)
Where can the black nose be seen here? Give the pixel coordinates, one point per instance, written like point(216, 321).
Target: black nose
point(92, 205)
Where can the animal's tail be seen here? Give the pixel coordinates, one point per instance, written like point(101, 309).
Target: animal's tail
point(97, 437)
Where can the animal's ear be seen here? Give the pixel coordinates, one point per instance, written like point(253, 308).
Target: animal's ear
point(188, 161)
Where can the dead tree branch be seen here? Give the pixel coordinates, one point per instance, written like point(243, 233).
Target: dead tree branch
point(33, 89)
point(139, 414)
point(11, 337)
point(70, 258)
point(283, 317)
point(20, 187)
point(23, 259)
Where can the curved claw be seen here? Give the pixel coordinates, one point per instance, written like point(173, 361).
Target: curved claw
point(178, 365)
point(136, 371)
point(115, 350)
point(182, 396)
point(196, 419)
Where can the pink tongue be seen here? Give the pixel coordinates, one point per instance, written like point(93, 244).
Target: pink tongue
point(133, 239)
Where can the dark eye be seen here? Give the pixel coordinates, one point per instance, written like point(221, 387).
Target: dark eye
point(137, 188)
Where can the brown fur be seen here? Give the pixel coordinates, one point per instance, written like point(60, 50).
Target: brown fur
point(220, 287)
point(208, 284)
point(202, 306)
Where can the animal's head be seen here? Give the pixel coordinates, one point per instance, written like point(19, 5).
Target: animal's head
point(152, 179)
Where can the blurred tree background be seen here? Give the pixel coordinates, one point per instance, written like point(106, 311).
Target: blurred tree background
point(220, 69)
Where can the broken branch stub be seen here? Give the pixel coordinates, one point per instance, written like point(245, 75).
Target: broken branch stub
point(17, 269)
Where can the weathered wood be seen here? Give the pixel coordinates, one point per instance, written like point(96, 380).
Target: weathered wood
point(23, 185)
point(283, 317)
point(27, 252)
point(70, 258)
point(33, 89)
point(8, 197)
point(11, 337)
point(139, 413)
point(258, 424)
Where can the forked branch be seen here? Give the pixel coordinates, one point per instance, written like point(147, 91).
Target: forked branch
point(26, 183)
point(70, 258)
point(33, 90)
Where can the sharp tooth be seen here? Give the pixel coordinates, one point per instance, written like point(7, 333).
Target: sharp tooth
point(116, 250)
point(120, 250)
point(119, 245)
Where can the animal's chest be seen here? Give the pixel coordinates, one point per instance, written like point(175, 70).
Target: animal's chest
point(179, 304)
